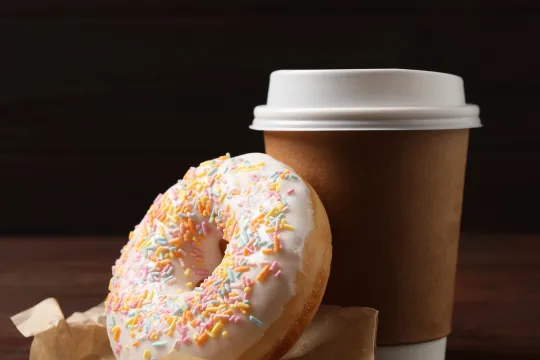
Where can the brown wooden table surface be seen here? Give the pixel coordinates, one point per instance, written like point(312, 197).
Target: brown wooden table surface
point(496, 315)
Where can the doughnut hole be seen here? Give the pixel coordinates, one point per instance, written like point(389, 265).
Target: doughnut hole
point(223, 246)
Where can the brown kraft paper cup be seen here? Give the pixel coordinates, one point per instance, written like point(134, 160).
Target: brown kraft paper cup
point(394, 201)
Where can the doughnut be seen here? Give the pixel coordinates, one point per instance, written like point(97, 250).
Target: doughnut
point(229, 263)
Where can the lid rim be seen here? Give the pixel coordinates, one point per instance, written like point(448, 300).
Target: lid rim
point(355, 114)
point(365, 125)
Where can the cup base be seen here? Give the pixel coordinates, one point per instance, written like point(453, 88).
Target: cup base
point(432, 350)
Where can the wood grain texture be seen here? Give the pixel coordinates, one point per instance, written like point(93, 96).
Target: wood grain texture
point(109, 104)
point(496, 313)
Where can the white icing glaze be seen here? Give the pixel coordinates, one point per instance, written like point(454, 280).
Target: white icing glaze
point(243, 186)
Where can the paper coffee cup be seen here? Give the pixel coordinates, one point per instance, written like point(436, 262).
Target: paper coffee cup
point(386, 152)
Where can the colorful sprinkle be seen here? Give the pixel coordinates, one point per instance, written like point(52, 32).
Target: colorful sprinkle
point(255, 320)
point(263, 274)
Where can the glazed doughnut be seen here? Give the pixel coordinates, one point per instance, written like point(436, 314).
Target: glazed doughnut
point(175, 294)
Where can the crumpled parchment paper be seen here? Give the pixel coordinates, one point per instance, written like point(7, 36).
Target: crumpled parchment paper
point(335, 333)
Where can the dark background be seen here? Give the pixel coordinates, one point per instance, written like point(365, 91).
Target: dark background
point(103, 104)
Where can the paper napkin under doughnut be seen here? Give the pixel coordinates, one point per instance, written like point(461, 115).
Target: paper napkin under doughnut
point(335, 333)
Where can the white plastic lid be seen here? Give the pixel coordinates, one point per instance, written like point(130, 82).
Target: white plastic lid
point(370, 99)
